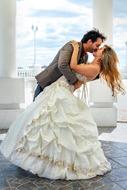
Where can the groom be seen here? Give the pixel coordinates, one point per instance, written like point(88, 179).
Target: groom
point(90, 42)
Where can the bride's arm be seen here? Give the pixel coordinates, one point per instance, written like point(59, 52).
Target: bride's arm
point(89, 70)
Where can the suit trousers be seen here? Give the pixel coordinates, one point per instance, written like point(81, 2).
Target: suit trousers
point(38, 90)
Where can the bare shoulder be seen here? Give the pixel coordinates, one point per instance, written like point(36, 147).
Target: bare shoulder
point(95, 70)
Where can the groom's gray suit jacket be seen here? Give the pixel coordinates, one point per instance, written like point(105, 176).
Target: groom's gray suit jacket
point(60, 66)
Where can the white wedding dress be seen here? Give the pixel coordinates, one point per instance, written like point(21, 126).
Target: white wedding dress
point(56, 137)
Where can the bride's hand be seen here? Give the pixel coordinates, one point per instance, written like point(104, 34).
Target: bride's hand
point(75, 44)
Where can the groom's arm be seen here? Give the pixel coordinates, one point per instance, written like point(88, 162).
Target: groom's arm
point(64, 63)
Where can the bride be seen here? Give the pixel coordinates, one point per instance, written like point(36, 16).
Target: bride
point(56, 136)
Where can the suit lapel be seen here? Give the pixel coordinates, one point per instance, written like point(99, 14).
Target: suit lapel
point(80, 51)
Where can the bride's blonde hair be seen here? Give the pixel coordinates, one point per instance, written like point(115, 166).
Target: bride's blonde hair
point(110, 71)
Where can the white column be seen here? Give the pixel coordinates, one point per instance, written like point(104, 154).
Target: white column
point(103, 17)
point(101, 102)
point(12, 88)
point(7, 38)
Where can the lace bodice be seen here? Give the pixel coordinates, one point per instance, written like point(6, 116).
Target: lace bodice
point(62, 81)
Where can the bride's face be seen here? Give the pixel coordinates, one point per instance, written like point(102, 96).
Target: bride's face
point(99, 52)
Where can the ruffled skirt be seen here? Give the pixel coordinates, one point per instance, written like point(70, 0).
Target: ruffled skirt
point(56, 137)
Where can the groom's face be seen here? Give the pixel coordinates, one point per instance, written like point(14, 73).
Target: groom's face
point(94, 46)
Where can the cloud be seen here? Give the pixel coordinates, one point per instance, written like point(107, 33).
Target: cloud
point(120, 8)
point(54, 28)
point(27, 7)
point(59, 21)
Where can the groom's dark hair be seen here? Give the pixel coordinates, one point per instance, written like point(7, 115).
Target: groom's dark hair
point(93, 35)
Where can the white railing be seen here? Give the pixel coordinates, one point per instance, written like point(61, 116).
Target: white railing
point(26, 73)
point(29, 72)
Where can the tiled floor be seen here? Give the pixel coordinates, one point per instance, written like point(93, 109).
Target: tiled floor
point(14, 178)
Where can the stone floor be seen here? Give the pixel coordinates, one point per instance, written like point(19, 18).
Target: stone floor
point(14, 178)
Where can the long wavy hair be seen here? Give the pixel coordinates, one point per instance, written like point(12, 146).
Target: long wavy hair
point(110, 72)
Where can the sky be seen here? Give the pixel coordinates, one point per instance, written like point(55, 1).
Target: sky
point(59, 21)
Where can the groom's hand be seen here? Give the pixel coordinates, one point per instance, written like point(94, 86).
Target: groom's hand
point(78, 84)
